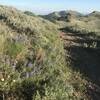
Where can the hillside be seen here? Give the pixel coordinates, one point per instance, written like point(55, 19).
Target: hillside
point(82, 44)
point(81, 35)
point(95, 14)
point(83, 54)
point(75, 20)
point(49, 58)
point(62, 14)
point(32, 63)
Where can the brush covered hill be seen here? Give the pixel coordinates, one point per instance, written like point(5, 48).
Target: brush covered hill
point(86, 24)
point(32, 62)
point(76, 21)
point(32, 59)
point(95, 14)
point(81, 35)
point(60, 18)
point(62, 14)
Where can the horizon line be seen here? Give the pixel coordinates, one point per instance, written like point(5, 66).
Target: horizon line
point(45, 12)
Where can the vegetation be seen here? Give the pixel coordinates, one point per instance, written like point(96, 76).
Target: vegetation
point(29, 13)
point(33, 62)
point(32, 65)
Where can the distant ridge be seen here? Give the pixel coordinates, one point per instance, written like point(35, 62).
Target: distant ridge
point(56, 15)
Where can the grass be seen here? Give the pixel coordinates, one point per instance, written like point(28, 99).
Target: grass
point(34, 52)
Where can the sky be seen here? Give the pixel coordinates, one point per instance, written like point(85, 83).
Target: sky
point(47, 6)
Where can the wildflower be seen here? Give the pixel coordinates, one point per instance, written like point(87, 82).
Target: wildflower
point(2, 79)
point(8, 76)
point(14, 80)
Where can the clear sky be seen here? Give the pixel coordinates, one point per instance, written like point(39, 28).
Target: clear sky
point(46, 6)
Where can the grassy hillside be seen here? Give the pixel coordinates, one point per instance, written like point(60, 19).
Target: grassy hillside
point(62, 14)
point(82, 44)
point(38, 63)
point(81, 35)
point(78, 22)
point(32, 62)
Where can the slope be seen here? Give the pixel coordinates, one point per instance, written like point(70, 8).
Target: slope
point(32, 63)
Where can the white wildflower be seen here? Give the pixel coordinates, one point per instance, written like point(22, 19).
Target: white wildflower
point(14, 80)
point(2, 79)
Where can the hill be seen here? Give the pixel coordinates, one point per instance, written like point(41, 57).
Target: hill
point(32, 63)
point(50, 59)
point(29, 13)
point(95, 14)
point(62, 15)
point(81, 35)
point(82, 43)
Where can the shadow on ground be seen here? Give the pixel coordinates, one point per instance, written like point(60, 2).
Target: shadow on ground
point(85, 60)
